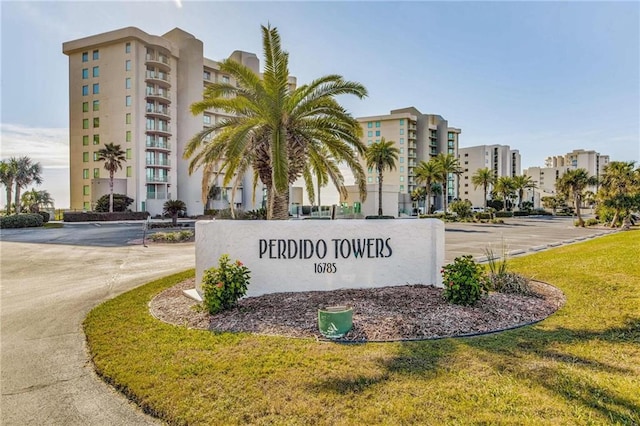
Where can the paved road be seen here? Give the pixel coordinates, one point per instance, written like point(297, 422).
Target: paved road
point(47, 289)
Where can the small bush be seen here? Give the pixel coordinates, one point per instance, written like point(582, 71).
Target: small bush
point(45, 216)
point(483, 216)
point(464, 281)
point(103, 217)
point(379, 217)
point(259, 214)
point(23, 220)
point(521, 213)
point(225, 285)
point(591, 222)
point(461, 208)
point(541, 212)
point(120, 203)
point(503, 214)
point(171, 237)
point(510, 282)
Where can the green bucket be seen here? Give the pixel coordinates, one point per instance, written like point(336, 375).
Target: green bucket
point(335, 321)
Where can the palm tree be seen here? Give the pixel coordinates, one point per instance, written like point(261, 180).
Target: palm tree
point(485, 178)
point(447, 164)
point(616, 186)
point(505, 187)
point(520, 183)
point(35, 200)
point(382, 155)
point(173, 208)
point(7, 177)
point(572, 184)
point(274, 127)
point(113, 158)
point(427, 173)
point(27, 172)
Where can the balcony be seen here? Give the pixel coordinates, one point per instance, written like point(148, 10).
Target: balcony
point(159, 195)
point(163, 130)
point(158, 112)
point(158, 60)
point(158, 163)
point(164, 146)
point(159, 77)
point(160, 179)
point(160, 95)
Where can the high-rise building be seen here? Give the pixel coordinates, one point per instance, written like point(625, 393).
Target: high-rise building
point(500, 159)
point(418, 137)
point(135, 90)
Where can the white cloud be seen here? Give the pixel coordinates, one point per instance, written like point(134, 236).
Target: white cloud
point(48, 146)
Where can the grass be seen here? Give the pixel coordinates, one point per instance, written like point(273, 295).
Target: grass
point(579, 366)
point(53, 225)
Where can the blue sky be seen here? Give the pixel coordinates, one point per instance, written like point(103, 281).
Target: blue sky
point(543, 77)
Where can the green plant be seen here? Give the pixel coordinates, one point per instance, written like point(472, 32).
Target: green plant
point(22, 220)
point(120, 203)
point(510, 282)
point(45, 216)
point(171, 237)
point(461, 208)
point(224, 285)
point(173, 209)
point(464, 281)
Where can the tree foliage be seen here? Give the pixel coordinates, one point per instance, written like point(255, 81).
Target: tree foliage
point(120, 203)
point(113, 157)
point(382, 156)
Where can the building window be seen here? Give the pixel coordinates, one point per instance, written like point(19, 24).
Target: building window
point(402, 131)
point(85, 107)
point(369, 124)
point(85, 173)
point(401, 188)
point(86, 206)
point(129, 171)
point(85, 56)
point(128, 136)
point(95, 156)
point(370, 133)
point(377, 132)
point(377, 124)
point(127, 83)
point(206, 75)
point(85, 140)
point(402, 159)
point(401, 141)
point(85, 90)
point(128, 154)
point(96, 173)
point(85, 157)
point(127, 65)
point(96, 55)
point(96, 139)
point(96, 105)
point(96, 122)
point(85, 73)
point(401, 150)
point(206, 119)
point(401, 178)
point(402, 121)
point(127, 118)
point(369, 179)
point(96, 88)
point(225, 79)
point(85, 190)
point(369, 143)
point(370, 170)
point(401, 169)
point(96, 71)
point(127, 100)
point(127, 48)
point(466, 162)
point(85, 123)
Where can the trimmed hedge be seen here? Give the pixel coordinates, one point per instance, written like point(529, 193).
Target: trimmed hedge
point(483, 216)
point(521, 213)
point(45, 216)
point(503, 214)
point(23, 220)
point(103, 217)
point(379, 217)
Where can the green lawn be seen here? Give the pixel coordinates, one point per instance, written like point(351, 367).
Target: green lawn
point(580, 366)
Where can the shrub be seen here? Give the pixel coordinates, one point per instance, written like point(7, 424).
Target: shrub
point(503, 214)
point(224, 285)
point(510, 282)
point(541, 212)
point(461, 208)
point(259, 214)
point(171, 237)
point(103, 217)
point(521, 213)
point(464, 281)
point(379, 217)
point(591, 222)
point(495, 204)
point(483, 216)
point(45, 216)
point(23, 220)
point(120, 203)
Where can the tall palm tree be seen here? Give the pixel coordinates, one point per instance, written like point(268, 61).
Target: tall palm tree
point(427, 173)
point(572, 184)
point(382, 155)
point(113, 157)
point(505, 187)
point(7, 177)
point(35, 200)
point(617, 185)
point(485, 178)
point(274, 126)
point(448, 164)
point(173, 208)
point(27, 172)
point(520, 183)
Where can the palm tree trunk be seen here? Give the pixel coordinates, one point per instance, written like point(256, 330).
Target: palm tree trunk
point(577, 202)
point(427, 189)
point(111, 192)
point(485, 196)
point(615, 218)
point(379, 191)
point(9, 193)
point(319, 204)
point(17, 199)
point(445, 195)
point(280, 205)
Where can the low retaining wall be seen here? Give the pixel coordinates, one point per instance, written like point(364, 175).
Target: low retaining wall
point(301, 255)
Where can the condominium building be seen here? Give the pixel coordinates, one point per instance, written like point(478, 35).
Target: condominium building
point(500, 159)
point(135, 90)
point(418, 137)
point(556, 166)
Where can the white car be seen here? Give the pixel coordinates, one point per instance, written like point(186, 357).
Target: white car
point(477, 209)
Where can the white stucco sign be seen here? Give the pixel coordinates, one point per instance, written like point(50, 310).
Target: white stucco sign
point(303, 255)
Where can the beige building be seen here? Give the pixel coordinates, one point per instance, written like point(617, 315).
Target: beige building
point(134, 89)
point(500, 159)
point(418, 137)
point(556, 166)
